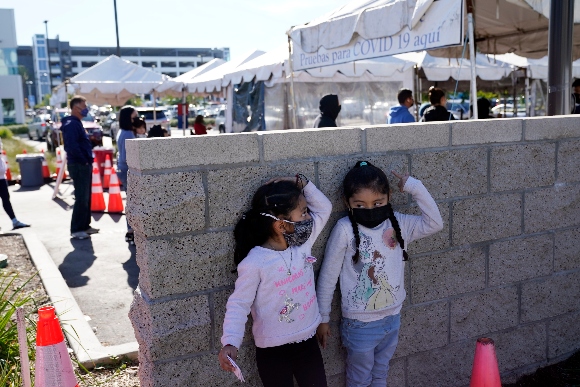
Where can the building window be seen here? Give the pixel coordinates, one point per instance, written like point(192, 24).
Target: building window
point(186, 64)
point(8, 111)
point(168, 64)
point(88, 64)
point(41, 51)
point(8, 61)
point(85, 51)
point(148, 64)
point(42, 65)
point(172, 75)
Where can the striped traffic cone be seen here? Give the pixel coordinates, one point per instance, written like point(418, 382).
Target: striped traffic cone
point(8, 173)
point(115, 201)
point(97, 198)
point(107, 172)
point(59, 164)
point(485, 372)
point(45, 171)
point(53, 364)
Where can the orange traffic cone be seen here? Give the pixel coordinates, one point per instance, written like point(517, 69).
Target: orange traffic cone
point(53, 365)
point(115, 201)
point(8, 174)
point(107, 173)
point(45, 171)
point(59, 164)
point(485, 372)
point(97, 198)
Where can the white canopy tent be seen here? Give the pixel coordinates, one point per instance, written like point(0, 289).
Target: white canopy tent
point(366, 88)
point(111, 81)
point(536, 68)
point(441, 69)
point(175, 86)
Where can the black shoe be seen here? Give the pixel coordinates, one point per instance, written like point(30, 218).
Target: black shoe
point(130, 238)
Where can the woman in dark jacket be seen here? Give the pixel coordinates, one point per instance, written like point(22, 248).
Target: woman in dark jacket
point(437, 111)
point(329, 109)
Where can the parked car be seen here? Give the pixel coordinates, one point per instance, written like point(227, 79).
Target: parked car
point(38, 126)
point(90, 123)
point(106, 123)
point(147, 114)
point(507, 110)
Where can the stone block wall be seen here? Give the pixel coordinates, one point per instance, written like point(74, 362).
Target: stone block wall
point(505, 266)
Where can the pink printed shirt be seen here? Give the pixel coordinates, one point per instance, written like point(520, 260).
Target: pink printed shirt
point(284, 307)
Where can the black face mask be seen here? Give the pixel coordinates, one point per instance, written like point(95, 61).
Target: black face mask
point(370, 217)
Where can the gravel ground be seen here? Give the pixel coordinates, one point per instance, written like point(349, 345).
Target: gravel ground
point(122, 375)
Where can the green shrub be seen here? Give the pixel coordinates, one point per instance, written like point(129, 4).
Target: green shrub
point(18, 129)
point(5, 133)
point(10, 300)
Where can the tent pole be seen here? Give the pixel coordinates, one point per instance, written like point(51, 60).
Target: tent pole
point(533, 99)
point(154, 108)
point(229, 108)
point(527, 93)
point(473, 91)
point(292, 95)
point(184, 119)
point(417, 93)
point(560, 57)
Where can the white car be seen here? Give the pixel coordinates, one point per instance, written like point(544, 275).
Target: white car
point(38, 126)
point(220, 119)
point(147, 114)
point(507, 111)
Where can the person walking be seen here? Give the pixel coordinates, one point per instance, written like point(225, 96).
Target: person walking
point(79, 156)
point(437, 111)
point(400, 114)
point(198, 126)
point(5, 195)
point(329, 109)
point(128, 120)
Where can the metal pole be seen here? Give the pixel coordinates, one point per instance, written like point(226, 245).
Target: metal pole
point(527, 103)
point(294, 126)
point(117, 29)
point(183, 115)
point(473, 90)
point(560, 57)
point(48, 56)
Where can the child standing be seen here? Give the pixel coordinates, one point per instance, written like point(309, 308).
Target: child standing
point(276, 283)
point(367, 250)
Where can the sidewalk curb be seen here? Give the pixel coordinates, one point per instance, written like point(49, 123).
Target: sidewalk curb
point(88, 349)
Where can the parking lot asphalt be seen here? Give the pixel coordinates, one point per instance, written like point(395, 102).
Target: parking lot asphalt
point(101, 272)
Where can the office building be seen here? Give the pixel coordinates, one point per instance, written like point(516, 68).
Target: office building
point(67, 61)
point(11, 96)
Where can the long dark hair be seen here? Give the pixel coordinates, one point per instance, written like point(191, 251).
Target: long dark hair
point(253, 229)
point(125, 121)
point(365, 175)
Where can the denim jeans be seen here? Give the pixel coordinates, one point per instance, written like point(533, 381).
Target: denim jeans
point(122, 175)
point(82, 176)
point(369, 347)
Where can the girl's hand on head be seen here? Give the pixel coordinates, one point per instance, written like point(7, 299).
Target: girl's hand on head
point(323, 333)
point(402, 179)
point(231, 351)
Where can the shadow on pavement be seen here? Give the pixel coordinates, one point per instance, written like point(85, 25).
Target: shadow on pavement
point(77, 262)
point(130, 266)
point(28, 189)
point(65, 206)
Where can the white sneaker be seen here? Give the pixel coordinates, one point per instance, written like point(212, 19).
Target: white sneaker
point(80, 235)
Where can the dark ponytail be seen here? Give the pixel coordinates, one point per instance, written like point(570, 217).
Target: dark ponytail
point(253, 229)
point(397, 228)
point(366, 175)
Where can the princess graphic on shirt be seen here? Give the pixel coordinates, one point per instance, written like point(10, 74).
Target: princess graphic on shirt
point(373, 290)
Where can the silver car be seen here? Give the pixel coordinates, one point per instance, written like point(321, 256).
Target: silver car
point(37, 128)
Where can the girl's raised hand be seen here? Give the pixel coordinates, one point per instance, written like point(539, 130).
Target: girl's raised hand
point(231, 351)
point(402, 179)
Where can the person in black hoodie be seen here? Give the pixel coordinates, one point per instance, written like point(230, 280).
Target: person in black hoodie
point(79, 156)
point(329, 109)
point(437, 111)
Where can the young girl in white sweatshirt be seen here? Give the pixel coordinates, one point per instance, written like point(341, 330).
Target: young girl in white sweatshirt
point(276, 283)
point(366, 250)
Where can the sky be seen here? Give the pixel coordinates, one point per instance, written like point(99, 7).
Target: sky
point(241, 25)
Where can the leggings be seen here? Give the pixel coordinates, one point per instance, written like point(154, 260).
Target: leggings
point(278, 365)
point(5, 196)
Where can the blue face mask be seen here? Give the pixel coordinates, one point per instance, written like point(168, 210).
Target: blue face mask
point(85, 112)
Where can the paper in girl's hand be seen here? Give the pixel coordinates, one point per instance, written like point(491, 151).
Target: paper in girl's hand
point(237, 370)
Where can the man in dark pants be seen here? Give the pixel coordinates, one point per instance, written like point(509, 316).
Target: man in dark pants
point(79, 156)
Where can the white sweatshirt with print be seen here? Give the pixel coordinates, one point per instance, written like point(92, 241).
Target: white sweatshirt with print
point(284, 307)
point(373, 288)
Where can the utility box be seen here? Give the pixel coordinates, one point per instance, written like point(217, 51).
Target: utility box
point(30, 169)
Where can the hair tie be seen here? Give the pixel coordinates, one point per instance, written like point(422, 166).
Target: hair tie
point(363, 163)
